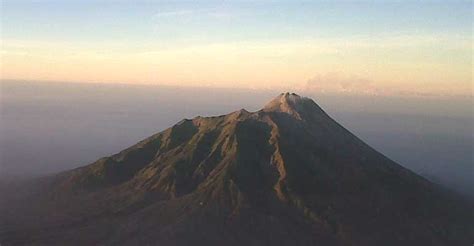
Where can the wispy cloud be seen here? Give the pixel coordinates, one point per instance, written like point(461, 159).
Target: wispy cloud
point(176, 13)
point(210, 12)
point(339, 83)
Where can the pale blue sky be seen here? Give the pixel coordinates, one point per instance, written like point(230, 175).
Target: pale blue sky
point(215, 21)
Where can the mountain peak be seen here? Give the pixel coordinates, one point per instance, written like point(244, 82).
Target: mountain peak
point(293, 97)
point(290, 103)
point(286, 99)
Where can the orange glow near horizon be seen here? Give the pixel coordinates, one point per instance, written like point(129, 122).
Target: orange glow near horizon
point(399, 65)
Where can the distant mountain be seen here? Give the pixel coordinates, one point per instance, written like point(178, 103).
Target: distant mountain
point(287, 174)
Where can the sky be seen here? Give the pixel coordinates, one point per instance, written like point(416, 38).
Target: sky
point(421, 48)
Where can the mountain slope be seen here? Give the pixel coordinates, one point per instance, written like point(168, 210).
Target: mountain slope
point(285, 175)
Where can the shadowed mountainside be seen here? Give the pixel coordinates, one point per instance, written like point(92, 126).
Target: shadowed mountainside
point(285, 175)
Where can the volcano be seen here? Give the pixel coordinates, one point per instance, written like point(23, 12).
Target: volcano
point(287, 174)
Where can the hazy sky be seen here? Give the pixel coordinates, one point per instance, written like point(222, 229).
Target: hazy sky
point(367, 47)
